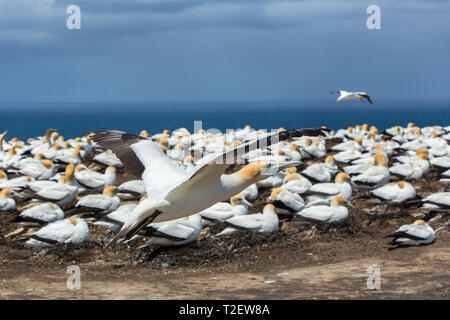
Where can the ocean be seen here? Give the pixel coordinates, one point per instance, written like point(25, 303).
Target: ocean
point(25, 120)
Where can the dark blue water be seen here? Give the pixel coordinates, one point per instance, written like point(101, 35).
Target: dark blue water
point(75, 119)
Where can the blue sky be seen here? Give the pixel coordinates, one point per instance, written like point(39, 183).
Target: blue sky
point(220, 50)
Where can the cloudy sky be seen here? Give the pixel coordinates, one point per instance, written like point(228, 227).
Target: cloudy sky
point(194, 50)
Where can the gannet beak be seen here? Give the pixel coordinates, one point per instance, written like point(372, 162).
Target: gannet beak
point(248, 203)
point(281, 165)
point(350, 205)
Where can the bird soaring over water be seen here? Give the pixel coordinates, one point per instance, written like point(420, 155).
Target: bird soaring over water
point(174, 192)
point(345, 95)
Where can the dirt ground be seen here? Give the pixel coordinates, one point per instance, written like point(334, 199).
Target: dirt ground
point(297, 262)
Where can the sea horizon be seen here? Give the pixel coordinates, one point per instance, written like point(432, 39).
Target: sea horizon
point(28, 119)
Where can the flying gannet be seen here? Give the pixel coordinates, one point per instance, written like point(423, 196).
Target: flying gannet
point(174, 192)
point(345, 95)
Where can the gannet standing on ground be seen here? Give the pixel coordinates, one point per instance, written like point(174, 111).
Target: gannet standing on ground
point(414, 234)
point(174, 192)
point(345, 95)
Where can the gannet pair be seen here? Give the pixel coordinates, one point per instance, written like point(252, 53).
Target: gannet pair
point(61, 193)
point(321, 193)
point(174, 192)
point(222, 211)
point(335, 212)
point(322, 172)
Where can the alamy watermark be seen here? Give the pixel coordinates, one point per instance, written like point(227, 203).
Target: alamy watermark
point(74, 280)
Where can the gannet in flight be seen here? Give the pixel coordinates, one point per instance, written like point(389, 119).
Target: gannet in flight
point(345, 95)
point(174, 192)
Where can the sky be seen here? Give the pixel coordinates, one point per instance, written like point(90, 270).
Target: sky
point(222, 50)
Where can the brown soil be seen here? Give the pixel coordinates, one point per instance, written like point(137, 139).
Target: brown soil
point(318, 262)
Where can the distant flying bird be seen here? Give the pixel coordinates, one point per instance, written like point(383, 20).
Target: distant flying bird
point(345, 95)
point(174, 192)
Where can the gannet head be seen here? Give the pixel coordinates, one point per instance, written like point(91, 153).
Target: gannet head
point(143, 198)
point(421, 150)
point(342, 177)
point(110, 169)
point(73, 220)
point(401, 184)
point(70, 170)
point(3, 175)
point(12, 151)
point(179, 146)
point(329, 160)
point(47, 163)
point(420, 222)
point(110, 191)
point(269, 208)
point(80, 167)
point(294, 147)
point(350, 129)
point(308, 141)
point(66, 145)
point(411, 125)
point(144, 134)
point(163, 149)
point(380, 160)
point(422, 156)
point(276, 192)
point(358, 141)
point(239, 199)
point(163, 140)
point(263, 169)
point(188, 160)
point(340, 201)
point(291, 177)
point(76, 153)
point(291, 170)
point(165, 131)
point(365, 126)
point(5, 193)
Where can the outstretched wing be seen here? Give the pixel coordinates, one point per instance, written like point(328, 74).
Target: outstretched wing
point(143, 158)
point(217, 165)
point(365, 95)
